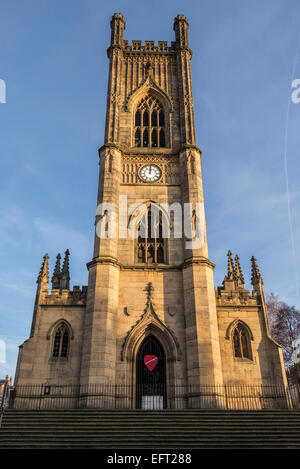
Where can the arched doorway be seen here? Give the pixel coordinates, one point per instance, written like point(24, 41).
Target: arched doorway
point(151, 375)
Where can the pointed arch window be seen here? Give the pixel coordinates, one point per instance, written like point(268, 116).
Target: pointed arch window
point(161, 138)
point(145, 138)
point(154, 138)
point(145, 118)
point(61, 342)
point(137, 137)
point(138, 117)
point(161, 118)
point(242, 342)
point(150, 242)
point(149, 120)
point(154, 118)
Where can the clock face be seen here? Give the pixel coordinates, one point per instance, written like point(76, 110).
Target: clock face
point(150, 173)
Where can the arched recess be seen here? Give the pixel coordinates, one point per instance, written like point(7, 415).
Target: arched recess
point(240, 334)
point(142, 208)
point(56, 325)
point(60, 334)
point(233, 325)
point(151, 374)
point(163, 218)
point(150, 324)
point(150, 88)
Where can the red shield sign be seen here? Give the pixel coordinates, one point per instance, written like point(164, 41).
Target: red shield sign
point(150, 361)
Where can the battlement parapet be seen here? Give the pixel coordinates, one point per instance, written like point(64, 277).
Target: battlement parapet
point(149, 46)
point(77, 296)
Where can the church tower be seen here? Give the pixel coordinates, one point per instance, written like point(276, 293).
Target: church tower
point(150, 158)
point(150, 314)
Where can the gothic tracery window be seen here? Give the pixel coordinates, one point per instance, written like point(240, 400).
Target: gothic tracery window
point(241, 342)
point(150, 243)
point(61, 342)
point(149, 123)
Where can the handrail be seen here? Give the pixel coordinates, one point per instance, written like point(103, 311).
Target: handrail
point(4, 383)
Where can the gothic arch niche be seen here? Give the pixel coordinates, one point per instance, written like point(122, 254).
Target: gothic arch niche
point(150, 326)
point(150, 247)
point(241, 336)
point(149, 128)
point(60, 335)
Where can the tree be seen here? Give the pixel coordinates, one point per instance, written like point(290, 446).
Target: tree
point(284, 324)
point(272, 307)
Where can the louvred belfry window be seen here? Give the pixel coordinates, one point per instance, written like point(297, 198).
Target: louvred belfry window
point(149, 123)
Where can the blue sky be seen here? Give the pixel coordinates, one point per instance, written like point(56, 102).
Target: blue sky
point(53, 60)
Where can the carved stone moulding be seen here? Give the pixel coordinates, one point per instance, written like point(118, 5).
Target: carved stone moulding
point(169, 166)
point(150, 323)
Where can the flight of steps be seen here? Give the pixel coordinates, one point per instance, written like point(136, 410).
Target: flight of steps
point(164, 429)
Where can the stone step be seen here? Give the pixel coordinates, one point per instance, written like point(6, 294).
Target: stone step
point(148, 423)
point(170, 425)
point(76, 418)
point(150, 431)
point(140, 416)
point(157, 437)
point(154, 436)
point(146, 427)
point(205, 446)
point(154, 417)
point(94, 422)
point(154, 412)
point(151, 444)
point(94, 428)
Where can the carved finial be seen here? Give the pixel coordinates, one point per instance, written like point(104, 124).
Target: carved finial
point(238, 272)
point(56, 274)
point(44, 272)
point(230, 267)
point(118, 16)
point(181, 27)
point(255, 273)
point(149, 289)
point(65, 274)
point(118, 26)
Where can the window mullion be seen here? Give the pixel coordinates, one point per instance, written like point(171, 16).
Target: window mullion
point(60, 343)
point(241, 344)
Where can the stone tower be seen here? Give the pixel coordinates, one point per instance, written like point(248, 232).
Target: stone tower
point(150, 121)
point(150, 295)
